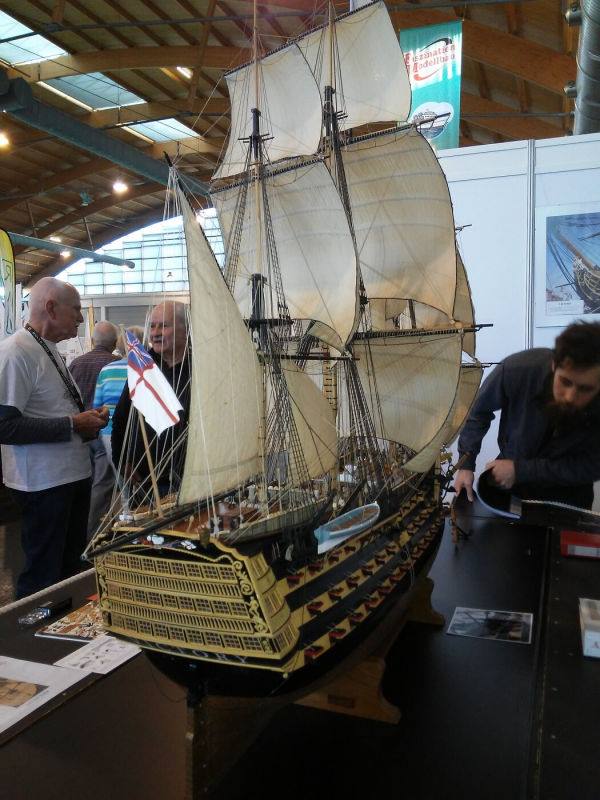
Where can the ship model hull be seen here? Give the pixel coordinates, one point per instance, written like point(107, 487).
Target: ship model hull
point(247, 621)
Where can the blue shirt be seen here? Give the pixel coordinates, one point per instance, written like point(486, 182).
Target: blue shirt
point(109, 386)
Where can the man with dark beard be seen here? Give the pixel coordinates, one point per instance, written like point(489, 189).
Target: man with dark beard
point(549, 433)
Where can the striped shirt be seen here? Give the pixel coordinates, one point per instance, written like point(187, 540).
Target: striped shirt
point(85, 369)
point(109, 386)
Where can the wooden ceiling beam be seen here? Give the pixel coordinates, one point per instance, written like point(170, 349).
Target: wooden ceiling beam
point(143, 112)
point(513, 18)
point(240, 24)
point(120, 38)
point(179, 29)
point(190, 146)
point(533, 62)
point(109, 201)
point(149, 32)
point(58, 11)
point(522, 94)
point(121, 58)
point(197, 73)
point(482, 82)
point(279, 31)
point(466, 141)
point(511, 127)
point(193, 12)
point(63, 178)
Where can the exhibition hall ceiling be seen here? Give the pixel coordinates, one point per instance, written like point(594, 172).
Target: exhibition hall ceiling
point(149, 74)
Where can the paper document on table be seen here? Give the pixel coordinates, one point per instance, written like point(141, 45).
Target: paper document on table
point(102, 655)
point(27, 685)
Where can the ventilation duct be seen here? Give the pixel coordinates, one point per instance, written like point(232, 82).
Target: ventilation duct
point(587, 102)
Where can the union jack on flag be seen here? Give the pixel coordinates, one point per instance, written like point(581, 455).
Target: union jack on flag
point(150, 392)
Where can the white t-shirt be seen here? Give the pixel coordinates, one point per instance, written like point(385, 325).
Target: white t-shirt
point(29, 381)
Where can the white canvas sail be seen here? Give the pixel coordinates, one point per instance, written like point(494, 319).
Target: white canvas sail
point(371, 80)
point(226, 404)
point(289, 103)
point(403, 219)
point(463, 305)
point(315, 249)
point(416, 380)
point(314, 419)
point(388, 315)
point(383, 313)
point(470, 378)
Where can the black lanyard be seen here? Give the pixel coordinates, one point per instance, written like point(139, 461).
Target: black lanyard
point(66, 377)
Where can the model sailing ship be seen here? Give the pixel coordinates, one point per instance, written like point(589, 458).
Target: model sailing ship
point(327, 374)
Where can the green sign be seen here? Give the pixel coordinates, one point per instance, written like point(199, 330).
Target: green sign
point(433, 60)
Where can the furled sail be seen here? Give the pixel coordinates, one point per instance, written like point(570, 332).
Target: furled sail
point(226, 404)
point(410, 384)
point(371, 80)
point(314, 419)
point(315, 248)
point(403, 220)
point(470, 378)
point(289, 103)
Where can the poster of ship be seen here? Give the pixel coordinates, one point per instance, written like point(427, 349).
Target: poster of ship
point(572, 264)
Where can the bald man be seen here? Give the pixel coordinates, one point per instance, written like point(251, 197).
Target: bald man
point(85, 370)
point(169, 348)
point(43, 431)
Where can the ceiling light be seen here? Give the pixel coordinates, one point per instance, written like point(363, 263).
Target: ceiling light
point(185, 71)
point(120, 187)
point(65, 253)
point(4, 140)
point(55, 238)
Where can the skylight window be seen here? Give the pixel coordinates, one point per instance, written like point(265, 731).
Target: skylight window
point(95, 90)
point(25, 50)
point(166, 130)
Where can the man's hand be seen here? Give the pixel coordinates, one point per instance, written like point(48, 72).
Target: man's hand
point(89, 423)
point(503, 472)
point(464, 480)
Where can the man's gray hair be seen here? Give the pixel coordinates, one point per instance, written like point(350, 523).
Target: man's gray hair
point(105, 335)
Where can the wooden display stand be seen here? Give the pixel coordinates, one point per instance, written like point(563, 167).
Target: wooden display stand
point(220, 729)
point(358, 691)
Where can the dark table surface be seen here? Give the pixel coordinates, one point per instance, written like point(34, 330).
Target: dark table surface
point(480, 718)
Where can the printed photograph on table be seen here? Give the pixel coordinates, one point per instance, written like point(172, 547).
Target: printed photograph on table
point(15, 693)
point(567, 274)
point(508, 626)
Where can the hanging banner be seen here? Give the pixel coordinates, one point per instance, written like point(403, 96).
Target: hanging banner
point(8, 309)
point(433, 58)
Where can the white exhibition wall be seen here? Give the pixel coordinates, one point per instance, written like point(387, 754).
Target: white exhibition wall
point(501, 191)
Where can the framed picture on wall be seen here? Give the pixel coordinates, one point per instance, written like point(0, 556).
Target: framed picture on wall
point(567, 264)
